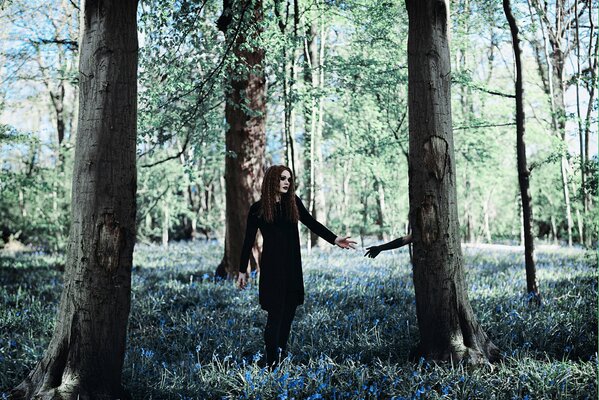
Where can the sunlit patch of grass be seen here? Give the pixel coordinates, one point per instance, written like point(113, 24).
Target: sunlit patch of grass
point(192, 338)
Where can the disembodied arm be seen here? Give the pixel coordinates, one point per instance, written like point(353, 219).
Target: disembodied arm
point(374, 251)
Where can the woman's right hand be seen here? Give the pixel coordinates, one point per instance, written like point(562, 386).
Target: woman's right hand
point(242, 280)
point(372, 251)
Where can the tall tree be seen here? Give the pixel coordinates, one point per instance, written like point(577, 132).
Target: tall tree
point(314, 80)
point(86, 352)
point(245, 113)
point(558, 46)
point(448, 328)
point(523, 171)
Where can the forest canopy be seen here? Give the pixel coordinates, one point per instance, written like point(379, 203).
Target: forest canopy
point(338, 118)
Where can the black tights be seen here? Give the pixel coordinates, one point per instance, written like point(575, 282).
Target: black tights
point(276, 332)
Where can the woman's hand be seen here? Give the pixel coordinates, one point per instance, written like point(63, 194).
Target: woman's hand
point(344, 242)
point(242, 280)
point(372, 251)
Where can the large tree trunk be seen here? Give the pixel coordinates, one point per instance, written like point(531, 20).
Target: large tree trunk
point(448, 327)
point(85, 356)
point(523, 172)
point(245, 113)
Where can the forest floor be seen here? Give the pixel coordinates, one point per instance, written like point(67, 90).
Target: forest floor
point(191, 338)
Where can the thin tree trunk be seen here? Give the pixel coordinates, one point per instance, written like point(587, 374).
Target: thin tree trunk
point(523, 172)
point(566, 192)
point(288, 63)
point(555, 89)
point(320, 208)
point(554, 229)
point(165, 220)
point(581, 229)
point(245, 113)
point(448, 328)
point(487, 226)
point(592, 51)
point(310, 117)
point(487, 217)
point(380, 190)
point(85, 356)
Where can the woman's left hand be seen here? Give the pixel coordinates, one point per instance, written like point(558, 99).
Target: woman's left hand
point(345, 243)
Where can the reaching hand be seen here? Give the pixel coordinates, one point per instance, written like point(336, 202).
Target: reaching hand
point(372, 251)
point(242, 280)
point(345, 243)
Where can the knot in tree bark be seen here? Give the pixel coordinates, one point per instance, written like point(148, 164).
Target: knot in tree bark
point(110, 242)
point(428, 221)
point(435, 156)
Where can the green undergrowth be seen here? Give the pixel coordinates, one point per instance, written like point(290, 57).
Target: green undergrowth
point(191, 338)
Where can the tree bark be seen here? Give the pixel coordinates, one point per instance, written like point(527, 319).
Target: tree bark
point(448, 327)
point(85, 356)
point(523, 172)
point(245, 113)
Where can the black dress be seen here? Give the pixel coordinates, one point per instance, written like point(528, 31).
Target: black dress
point(280, 263)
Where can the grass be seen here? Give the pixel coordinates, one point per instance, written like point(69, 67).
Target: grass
point(192, 339)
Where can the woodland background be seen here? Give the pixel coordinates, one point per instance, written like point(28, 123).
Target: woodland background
point(336, 112)
point(339, 120)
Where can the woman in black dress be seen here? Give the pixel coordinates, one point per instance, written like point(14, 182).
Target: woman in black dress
point(281, 287)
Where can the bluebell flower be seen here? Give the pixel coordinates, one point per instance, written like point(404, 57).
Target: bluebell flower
point(147, 353)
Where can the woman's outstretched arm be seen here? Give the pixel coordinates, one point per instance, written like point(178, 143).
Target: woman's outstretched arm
point(374, 251)
point(320, 229)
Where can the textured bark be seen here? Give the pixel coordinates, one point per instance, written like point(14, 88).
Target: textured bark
point(85, 356)
point(245, 113)
point(448, 327)
point(523, 172)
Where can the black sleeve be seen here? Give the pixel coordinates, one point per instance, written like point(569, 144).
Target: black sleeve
point(397, 243)
point(313, 224)
point(251, 228)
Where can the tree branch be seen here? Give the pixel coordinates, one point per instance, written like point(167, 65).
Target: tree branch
point(72, 44)
point(483, 126)
point(183, 148)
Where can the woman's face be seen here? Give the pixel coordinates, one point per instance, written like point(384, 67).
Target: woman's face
point(284, 182)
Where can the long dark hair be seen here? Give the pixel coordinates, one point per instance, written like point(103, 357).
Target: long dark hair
point(270, 189)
